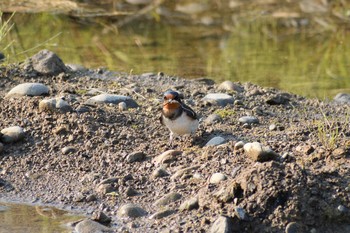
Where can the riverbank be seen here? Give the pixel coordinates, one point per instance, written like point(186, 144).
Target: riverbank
point(93, 153)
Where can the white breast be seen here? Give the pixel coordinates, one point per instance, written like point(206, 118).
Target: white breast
point(181, 125)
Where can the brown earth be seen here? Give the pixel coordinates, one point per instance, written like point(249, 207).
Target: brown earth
point(308, 183)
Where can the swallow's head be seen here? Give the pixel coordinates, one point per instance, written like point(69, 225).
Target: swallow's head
point(171, 100)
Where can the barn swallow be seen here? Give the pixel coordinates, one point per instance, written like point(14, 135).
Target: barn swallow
point(179, 118)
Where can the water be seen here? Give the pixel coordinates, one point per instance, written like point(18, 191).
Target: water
point(20, 218)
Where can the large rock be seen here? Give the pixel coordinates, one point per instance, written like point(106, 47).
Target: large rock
point(54, 105)
point(222, 225)
point(89, 226)
point(112, 99)
point(12, 134)
point(28, 89)
point(220, 99)
point(47, 62)
point(259, 153)
point(131, 210)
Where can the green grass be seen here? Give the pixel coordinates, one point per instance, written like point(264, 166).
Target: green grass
point(5, 27)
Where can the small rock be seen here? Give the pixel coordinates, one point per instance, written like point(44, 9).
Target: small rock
point(184, 172)
point(248, 120)
point(47, 62)
point(1, 147)
point(89, 226)
point(105, 188)
point(273, 127)
point(101, 217)
point(222, 225)
point(122, 106)
point(82, 109)
point(167, 199)
point(342, 209)
point(342, 98)
point(230, 86)
point(131, 210)
point(281, 98)
point(160, 172)
point(112, 99)
point(68, 149)
point(217, 178)
point(135, 157)
point(167, 157)
point(241, 214)
point(54, 105)
point(162, 214)
point(90, 198)
point(238, 103)
point(130, 192)
point(212, 119)
point(215, 141)
point(190, 204)
point(239, 145)
point(28, 89)
point(220, 99)
point(294, 227)
point(12, 134)
point(259, 153)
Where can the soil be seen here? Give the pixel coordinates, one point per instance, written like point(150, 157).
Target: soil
point(307, 184)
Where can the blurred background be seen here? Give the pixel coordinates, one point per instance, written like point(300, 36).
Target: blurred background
point(300, 46)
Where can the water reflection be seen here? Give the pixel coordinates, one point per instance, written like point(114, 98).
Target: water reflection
point(306, 64)
point(33, 219)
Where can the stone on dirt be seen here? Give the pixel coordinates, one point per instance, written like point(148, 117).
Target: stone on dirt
point(12, 134)
point(112, 99)
point(47, 62)
point(131, 210)
point(54, 105)
point(220, 99)
point(167, 199)
point(215, 141)
point(222, 225)
point(259, 153)
point(28, 89)
point(89, 226)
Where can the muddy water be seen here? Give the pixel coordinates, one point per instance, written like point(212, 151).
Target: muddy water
point(20, 218)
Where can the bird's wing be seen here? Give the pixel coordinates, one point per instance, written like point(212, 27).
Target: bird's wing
point(189, 111)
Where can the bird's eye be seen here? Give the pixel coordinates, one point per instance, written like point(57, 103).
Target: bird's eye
point(164, 98)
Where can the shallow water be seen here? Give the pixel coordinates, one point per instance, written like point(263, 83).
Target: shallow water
point(20, 218)
point(309, 65)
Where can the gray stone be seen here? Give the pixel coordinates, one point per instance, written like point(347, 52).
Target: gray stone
point(230, 86)
point(76, 67)
point(131, 210)
point(54, 105)
point(47, 62)
point(160, 172)
point(162, 214)
point(167, 199)
point(184, 172)
point(212, 118)
point(238, 145)
point(190, 204)
point(342, 98)
point(222, 225)
point(273, 127)
point(294, 227)
point(68, 149)
point(135, 157)
point(241, 214)
point(130, 192)
point(259, 153)
point(217, 178)
point(220, 99)
point(167, 157)
point(101, 217)
point(248, 120)
point(280, 98)
point(89, 226)
point(1, 147)
point(112, 99)
point(215, 141)
point(12, 134)
point(28, 89)
point(122, 106)
point(105, 188)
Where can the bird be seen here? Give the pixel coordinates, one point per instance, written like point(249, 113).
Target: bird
point(179, 118)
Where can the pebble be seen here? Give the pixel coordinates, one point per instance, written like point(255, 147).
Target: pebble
point(28, 89)
point(216, 141)
point(101, 217)
point(272, 127)
point(47, 62)
point(68, 149)
point(184, 172)
point(341, 208)
point(162, 214)
point(54, 105)
point(131, 210)
point(112, 99)
point(259, 153)
point(105, 188)
point(217, 178)
point(167, 157)
point(12, 134)
point(137, 156)
point(130, 192)
point(220, 99)
point(89, 226)
point(230, 86)
point(238, 145)
point(159, 172)
point(241, 214)
point(167, 199)
point(277, 99)
point(293, 227)
point(342, 98)
point(222, 225)
point(248, 120)
point(212, 119)
point(190, 204)
point(122, 106)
